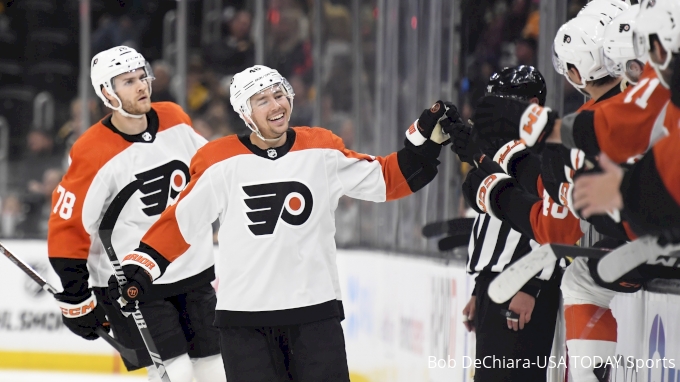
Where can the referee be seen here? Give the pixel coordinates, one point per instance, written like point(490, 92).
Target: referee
point(522, 328)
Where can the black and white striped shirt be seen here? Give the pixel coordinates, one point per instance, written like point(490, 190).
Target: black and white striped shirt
point(494, 245)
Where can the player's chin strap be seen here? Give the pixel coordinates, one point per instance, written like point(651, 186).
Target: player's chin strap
point(253, 127)
point(121, 110)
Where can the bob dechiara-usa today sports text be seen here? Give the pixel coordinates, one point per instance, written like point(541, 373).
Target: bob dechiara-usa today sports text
point(468, 362)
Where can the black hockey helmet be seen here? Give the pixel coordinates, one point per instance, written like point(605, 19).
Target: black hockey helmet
point(523, 82)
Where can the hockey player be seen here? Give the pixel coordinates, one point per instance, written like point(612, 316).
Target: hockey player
point(152, 142)
point(578, 47)
point(648, 192)
point(587, 298)
point(493, 246)
point(274, 191)
point(543, 220)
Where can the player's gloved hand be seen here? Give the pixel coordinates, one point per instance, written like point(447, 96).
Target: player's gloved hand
point(558, 163)
point(504, 153)
point(462, 143)
point(510, 119)
point(140, 270)
point(558, 168)
point(81, 314)
point(428, 126)
point(480, 183)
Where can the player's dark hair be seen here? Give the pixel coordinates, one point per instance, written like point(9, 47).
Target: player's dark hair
point(606, 80)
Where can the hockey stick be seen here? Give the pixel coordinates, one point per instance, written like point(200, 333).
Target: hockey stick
point(631, 255)
point(105, 233)
point(129, 354)
point(450, 242)
point(513, 278)
point(449, 227)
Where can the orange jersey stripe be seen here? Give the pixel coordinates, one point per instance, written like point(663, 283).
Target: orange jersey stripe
point(170, 114)
point(396, 185)
point(589, 322)
point(66, 235)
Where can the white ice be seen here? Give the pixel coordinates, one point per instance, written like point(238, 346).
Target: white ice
point(39, 376)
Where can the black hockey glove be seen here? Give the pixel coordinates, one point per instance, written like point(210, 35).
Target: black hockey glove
point(428, 126)
point(140, 270)
point(480, 183)
point(81, 314)
point(462, 143)
point(509, 119)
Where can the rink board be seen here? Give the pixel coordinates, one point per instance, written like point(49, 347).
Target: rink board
point(401, 311)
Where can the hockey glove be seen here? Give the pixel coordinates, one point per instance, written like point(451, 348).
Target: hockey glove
point(82, 315)
point(462, 144)
point(509, 119)
point(140, 270)
point(480, 183)
point(506, 152)
point(428, 125)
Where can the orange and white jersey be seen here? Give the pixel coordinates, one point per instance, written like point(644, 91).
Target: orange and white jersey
point(277, 253)
point(102, 162)
point(624, 127)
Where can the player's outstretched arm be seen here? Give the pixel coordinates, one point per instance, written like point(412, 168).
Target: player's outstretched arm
point(488, 190)
point(401, 173)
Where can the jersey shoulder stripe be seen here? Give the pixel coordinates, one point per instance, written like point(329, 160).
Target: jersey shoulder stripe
point(98, 145)
point(170, 114)
point(320, 138)
point(217, 151)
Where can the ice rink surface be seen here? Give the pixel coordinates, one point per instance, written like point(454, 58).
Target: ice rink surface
point(39, 376)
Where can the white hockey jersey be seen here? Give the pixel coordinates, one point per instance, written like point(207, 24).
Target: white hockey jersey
point(103, 161)
point(277, 253)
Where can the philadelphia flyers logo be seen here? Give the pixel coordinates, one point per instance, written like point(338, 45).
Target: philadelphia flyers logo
point(291, 202)
point(162, 185)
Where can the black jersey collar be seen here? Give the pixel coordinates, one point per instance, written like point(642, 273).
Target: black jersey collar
point(146, 136)
point(611, 93)
point(271, 153)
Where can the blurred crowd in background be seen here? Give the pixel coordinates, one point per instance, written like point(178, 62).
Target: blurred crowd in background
point(495, 34)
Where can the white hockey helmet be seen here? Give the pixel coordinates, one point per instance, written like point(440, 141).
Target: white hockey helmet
point(579, 42)
point(604, 10)
point(108, 64)
point(660, 18)
point(619, 52)
point(251, 81)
